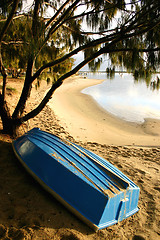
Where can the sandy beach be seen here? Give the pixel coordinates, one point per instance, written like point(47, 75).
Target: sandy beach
point(28, 212)
point(86, 121)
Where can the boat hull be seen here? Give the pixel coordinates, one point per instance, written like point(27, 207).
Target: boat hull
point(88, 185)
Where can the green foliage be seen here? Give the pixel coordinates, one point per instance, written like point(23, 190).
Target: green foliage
point(104, 12)
point(15, 42)
point(18, 45)
point(24, 41)
point(95, 64)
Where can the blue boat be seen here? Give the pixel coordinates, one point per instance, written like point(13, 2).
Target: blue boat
point(88, 185)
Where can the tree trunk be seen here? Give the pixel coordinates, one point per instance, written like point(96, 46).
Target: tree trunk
point(4, 74)
point(10, 126)
point(22, 101)
point(26, 90)
point(4, 87)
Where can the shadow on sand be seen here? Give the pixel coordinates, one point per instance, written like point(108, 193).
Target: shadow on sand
point(26, 209)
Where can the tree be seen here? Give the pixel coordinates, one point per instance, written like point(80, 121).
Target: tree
point(127, 31)
point(14, 56)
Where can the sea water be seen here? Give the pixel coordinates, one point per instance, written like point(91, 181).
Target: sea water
point(126, 98)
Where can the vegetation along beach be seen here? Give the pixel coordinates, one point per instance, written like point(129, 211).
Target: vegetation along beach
point(40, 87)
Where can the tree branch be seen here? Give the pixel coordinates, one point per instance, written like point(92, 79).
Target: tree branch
point(94, 43)
point(43, 103)
point(133, 49)
point(18, 42)
point(35, 19)
point(15, 17)
point(61, 20)
point(9, 19)
point(139, 15)
point(57, 13)
point(121, 34)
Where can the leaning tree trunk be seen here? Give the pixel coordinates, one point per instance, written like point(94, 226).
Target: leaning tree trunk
point(10, 126)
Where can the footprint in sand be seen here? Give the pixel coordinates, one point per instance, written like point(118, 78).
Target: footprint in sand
point(138, 237)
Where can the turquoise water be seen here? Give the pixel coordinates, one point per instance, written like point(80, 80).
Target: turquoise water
point(125, 98)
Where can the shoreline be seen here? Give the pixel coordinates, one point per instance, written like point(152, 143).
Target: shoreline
point(87, 121)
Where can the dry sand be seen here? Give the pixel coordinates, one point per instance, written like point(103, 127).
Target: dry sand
point(85, 120)
point(28, 212)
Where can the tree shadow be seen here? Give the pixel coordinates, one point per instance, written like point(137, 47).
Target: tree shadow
point(26, 208)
